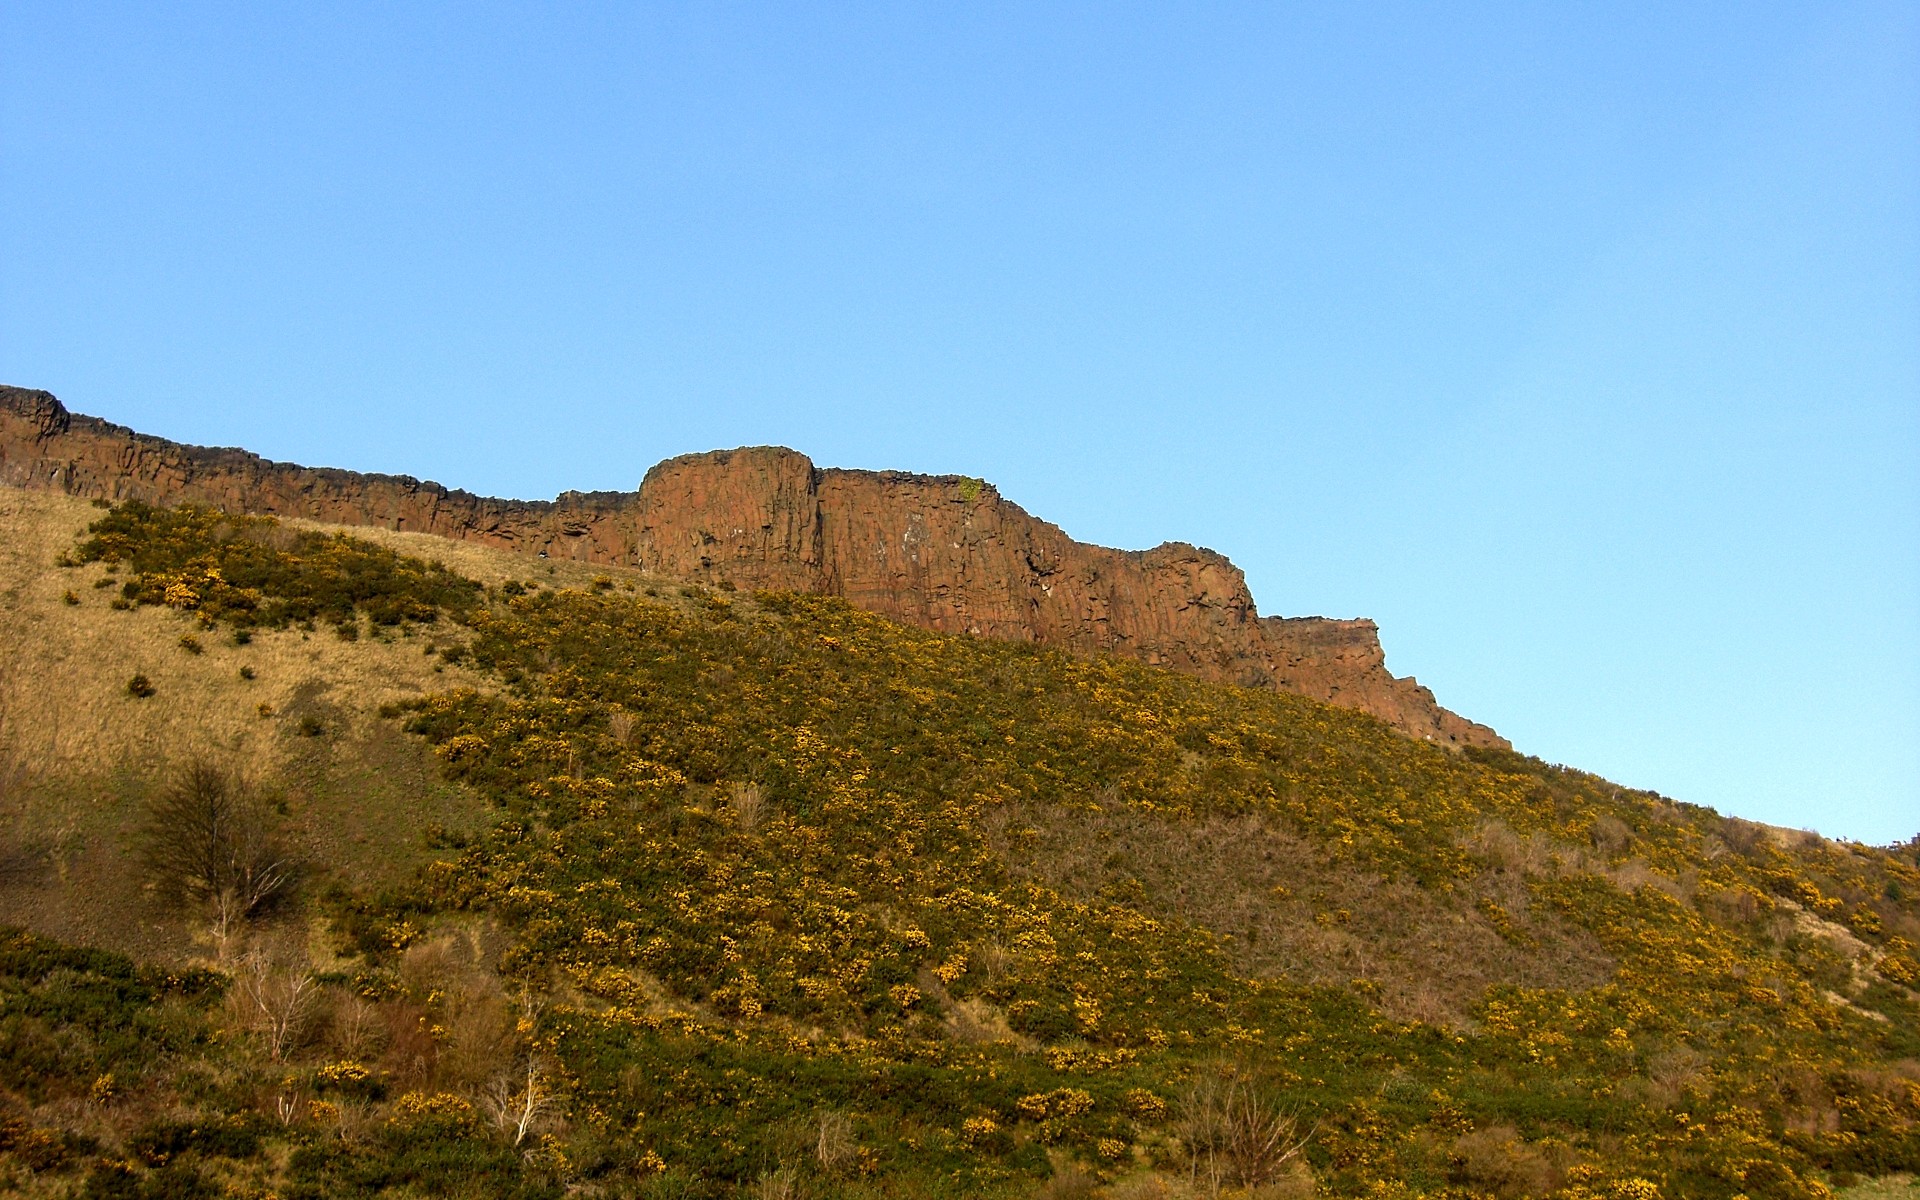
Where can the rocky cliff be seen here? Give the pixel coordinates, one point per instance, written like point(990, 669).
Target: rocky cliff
point(945, 552)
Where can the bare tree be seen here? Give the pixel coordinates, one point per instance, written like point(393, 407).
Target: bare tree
point(520, 1099)
point(1235, 1135)
point(833, 1143)
point(208, 838)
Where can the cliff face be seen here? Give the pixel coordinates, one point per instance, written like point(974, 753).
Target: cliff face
point(943, 552)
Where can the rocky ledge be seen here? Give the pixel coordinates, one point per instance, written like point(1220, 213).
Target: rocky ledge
point(944, 552)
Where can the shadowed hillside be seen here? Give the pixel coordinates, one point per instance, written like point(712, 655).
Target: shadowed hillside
point(672, 890)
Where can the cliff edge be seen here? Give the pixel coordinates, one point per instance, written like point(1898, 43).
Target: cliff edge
point(944, 552)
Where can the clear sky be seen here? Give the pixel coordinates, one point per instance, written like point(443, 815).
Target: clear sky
point(1577, 344)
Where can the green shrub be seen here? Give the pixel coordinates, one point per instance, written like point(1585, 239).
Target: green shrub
point(216, 1137)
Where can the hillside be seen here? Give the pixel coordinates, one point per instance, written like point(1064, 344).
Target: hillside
point(946, 553)
point(618, 885)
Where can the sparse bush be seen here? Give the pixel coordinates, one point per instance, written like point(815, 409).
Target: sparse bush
point(1610, 835)
point(1498, 1160)
point(748, 805)
point(833, 1141)
point(140, 687)
point(1236, 1134)
point(354, 1027)
point(279, 1003)
point(620, 725)
point(1069, 1184)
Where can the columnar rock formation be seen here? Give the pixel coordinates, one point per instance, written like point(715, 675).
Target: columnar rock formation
point(944, 552)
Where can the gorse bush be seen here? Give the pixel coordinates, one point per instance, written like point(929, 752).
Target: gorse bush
point(255, 572)
point(70, 1017)
point(782, 896)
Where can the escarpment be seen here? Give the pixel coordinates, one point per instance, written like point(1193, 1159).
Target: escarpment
point(947, 553)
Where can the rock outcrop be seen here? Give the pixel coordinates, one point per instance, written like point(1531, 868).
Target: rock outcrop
point(943, 552)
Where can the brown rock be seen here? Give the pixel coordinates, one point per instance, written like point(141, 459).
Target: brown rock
point(944, 552)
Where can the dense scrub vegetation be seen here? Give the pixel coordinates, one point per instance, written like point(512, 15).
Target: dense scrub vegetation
point(784, 899)
point(253, 572)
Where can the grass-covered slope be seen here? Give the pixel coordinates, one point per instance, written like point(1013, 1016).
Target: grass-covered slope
point(782, 898)
point(293, 710)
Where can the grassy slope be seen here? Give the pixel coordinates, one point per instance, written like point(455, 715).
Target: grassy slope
point(768, 870)
point(83, 753)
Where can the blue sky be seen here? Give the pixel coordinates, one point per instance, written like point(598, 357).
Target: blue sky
point(1578, 345)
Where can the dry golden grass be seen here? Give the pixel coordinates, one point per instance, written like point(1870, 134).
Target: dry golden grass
point(493, 566)
point(64, 667)
point(359, 792)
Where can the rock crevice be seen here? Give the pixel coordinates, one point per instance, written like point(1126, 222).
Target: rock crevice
point(944, 552)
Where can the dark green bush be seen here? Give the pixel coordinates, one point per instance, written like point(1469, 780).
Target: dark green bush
point(254, 572)
point(213, 1137)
